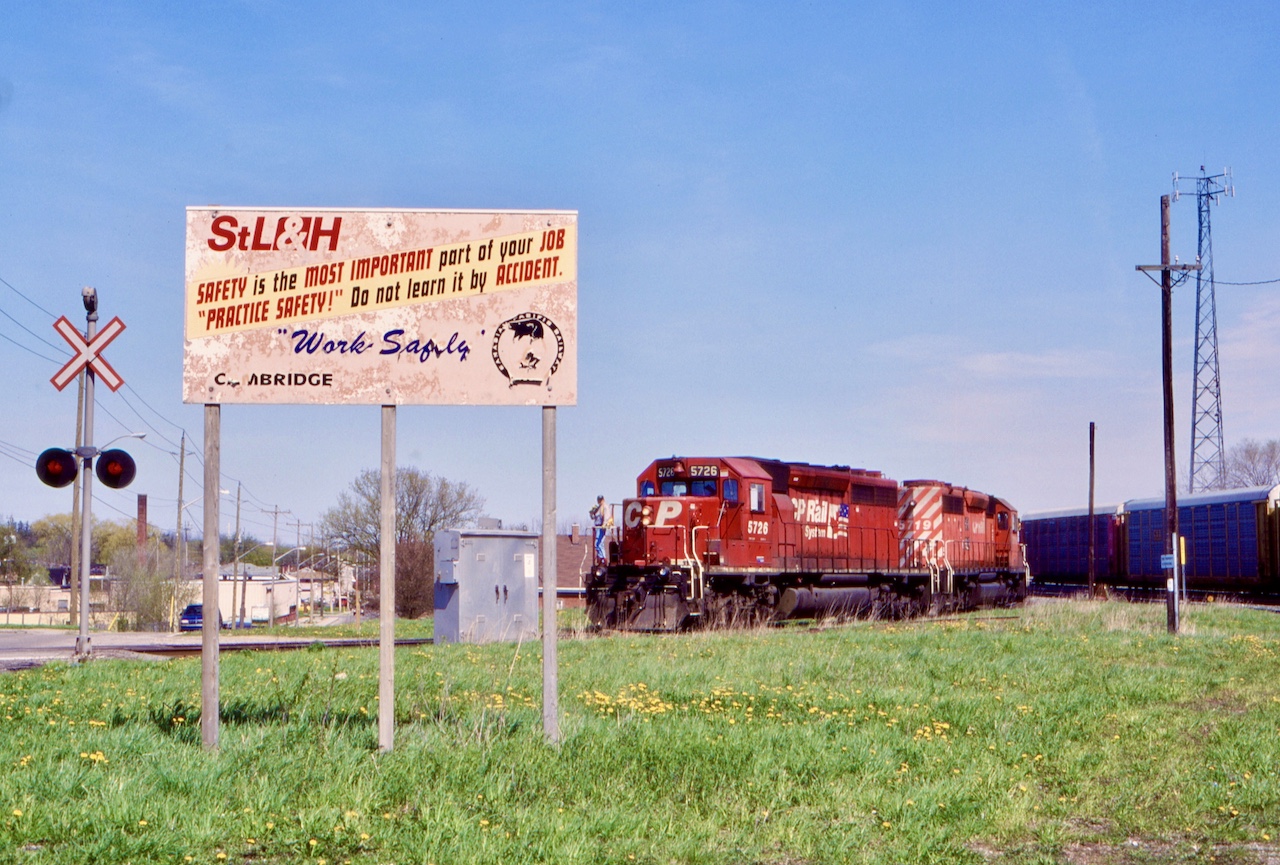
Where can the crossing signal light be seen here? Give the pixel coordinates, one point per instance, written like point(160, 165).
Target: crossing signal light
point(56, 467)
point(116, 468)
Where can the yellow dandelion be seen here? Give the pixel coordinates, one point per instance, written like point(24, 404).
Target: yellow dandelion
point(313, 842)
point(271, 825)
point(364, 836)
point(885, 824)
point(484, 822)
point(221, 856)
point(17, 812)
point(142, 822)
point(251, 840)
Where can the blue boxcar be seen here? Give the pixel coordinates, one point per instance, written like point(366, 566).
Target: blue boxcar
point(1230, 539)
point(1058, 545)
point(1232, 542)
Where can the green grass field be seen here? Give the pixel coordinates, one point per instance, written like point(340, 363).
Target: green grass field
point(1062, 732)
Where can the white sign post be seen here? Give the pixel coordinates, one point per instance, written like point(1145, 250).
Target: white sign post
point(387, 308)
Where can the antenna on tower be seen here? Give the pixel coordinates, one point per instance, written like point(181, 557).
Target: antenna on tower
point(1208, 457)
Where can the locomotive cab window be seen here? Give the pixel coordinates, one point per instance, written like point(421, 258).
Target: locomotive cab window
point(1002, 521)
point(730, 490)
point(646, 488)
point(757, 498)
point(704, 488)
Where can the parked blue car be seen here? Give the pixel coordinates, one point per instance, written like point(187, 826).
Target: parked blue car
point(192, 618)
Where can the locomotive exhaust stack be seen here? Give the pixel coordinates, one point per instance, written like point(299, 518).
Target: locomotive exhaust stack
point(741, 540)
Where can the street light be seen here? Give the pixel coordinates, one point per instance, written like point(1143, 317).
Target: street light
point(276, 560)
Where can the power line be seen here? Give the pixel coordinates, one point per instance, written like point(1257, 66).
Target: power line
point(15, 447)
point(148, 423)
point(1258, 282)
point(29, 350)
point(34, 334)
point(27, 299)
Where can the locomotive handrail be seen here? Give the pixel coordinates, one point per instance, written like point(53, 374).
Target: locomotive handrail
point(697, 584)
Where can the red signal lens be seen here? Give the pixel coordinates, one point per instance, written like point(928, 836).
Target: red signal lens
point(56, 467)
point(116, 469)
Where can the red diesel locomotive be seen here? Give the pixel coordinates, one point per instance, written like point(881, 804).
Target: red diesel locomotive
point(740, 540)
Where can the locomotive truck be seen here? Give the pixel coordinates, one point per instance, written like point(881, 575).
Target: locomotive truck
point(741, 540)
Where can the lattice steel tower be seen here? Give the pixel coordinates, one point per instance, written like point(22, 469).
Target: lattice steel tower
point(1208, 458)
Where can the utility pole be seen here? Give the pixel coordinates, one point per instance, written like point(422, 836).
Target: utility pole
point(1208, 457)
point(311, 605)
point(1092, 533)
point(1166, 269)
point(235, 567)
point(275, 545)
point(179, 554)
point(297, 572)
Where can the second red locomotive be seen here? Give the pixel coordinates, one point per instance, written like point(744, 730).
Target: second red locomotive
point(740, 540)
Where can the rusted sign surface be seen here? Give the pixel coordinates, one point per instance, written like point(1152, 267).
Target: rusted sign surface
point(381, 307)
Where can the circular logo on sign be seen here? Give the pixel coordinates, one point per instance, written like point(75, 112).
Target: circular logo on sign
point(527, 349)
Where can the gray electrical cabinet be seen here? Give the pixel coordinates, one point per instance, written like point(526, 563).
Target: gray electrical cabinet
point(486, 586)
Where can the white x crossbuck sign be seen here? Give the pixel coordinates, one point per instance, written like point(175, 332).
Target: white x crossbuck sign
point(88, 353)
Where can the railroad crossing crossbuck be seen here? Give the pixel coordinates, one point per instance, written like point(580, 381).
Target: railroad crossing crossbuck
point(88, 353)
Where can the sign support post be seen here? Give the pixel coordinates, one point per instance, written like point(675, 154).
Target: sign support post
point(550, 670)
point(209, 707)
point(387, 589)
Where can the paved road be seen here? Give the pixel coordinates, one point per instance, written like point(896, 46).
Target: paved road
point(27, 647)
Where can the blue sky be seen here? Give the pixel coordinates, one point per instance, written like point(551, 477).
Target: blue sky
point(899, 236)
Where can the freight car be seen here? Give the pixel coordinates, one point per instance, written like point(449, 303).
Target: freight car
point(740, 540)
point(1232, 541)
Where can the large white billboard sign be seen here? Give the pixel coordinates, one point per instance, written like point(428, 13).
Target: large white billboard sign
point(381, 307)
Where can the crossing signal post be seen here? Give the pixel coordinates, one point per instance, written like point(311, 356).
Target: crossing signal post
point(57, 466)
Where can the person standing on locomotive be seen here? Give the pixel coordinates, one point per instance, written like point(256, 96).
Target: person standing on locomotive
point(601, 520)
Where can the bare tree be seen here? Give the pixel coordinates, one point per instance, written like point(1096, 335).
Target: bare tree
point(146, 591)
point(1251, 463)
point(424, 504)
